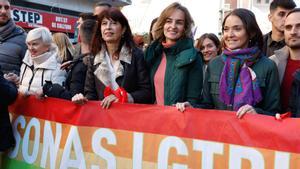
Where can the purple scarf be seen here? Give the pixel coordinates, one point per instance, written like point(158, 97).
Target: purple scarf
point(238, 84)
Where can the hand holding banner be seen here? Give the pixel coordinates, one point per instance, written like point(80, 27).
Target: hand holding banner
point(54, 133)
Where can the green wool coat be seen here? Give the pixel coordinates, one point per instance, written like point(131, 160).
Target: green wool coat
point(183, 76)
point(268, 78)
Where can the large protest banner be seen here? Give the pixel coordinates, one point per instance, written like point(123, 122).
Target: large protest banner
point(54, 133)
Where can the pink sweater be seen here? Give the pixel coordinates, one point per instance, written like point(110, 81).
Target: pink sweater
point(159, 79)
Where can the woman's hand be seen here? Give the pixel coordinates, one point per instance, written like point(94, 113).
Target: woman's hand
point(79, 99)
point(66, 64)
point(106, 102)
point(245, 109)
point(12, 77)
point(181, 106)
point(38, 94)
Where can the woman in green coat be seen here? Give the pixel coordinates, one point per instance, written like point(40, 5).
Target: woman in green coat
point(174, 64)
point(241, 78)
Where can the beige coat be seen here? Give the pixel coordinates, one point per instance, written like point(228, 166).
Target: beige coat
point(280, 57)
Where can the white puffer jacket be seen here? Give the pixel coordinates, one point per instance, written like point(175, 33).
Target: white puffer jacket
point(36, 70)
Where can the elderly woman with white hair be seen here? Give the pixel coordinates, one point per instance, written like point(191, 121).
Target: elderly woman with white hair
point(40, 62)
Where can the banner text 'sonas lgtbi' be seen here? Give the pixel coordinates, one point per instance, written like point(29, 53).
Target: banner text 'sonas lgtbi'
point(57, 134)
point(49, 144)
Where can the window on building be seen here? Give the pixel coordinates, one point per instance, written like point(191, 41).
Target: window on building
point(267, 1)
point(258, 1)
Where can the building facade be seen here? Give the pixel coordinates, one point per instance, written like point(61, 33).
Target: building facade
point(259, 7)
point(58, 16)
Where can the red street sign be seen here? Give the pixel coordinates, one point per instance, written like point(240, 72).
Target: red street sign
point(30, 18)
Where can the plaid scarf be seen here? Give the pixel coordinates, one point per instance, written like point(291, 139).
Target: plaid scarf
point(238, 83)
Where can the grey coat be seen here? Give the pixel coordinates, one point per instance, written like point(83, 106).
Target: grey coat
point(12, 51)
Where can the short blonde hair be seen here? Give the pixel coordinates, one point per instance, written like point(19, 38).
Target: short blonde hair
point(42, 33)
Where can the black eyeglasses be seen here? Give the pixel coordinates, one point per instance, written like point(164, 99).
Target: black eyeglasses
point(6, 7)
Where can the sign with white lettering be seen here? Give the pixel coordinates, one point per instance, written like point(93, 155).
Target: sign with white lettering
point(54, 133)
point(30, 18)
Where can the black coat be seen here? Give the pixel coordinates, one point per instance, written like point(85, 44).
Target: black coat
point(295, 95)
point(74, 83)
point(135, 80)
point(8, 94)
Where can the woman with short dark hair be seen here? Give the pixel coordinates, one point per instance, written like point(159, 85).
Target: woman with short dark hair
point(209, 45)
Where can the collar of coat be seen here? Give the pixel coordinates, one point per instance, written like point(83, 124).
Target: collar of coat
point(102, 71)
point(46, 60)
point(271, 42)
point(282, 54)
point(183, 50)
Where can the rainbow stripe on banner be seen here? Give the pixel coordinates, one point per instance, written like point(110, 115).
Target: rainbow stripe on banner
point(54, 133)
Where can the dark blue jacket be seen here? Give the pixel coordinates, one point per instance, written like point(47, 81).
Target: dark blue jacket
point(74, 83)
point(295, 95)
point(8, 93)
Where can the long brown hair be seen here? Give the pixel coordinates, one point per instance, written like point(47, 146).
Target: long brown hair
point(188, 22)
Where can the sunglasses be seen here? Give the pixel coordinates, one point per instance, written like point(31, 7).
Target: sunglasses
point(6, 7)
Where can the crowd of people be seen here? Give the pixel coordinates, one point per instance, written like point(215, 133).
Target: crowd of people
point(244, 71)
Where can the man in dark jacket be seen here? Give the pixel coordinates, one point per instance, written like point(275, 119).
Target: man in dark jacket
point(274, 40)
point(12, 40)
point(82, 17)
point(8, 93)
point(75, 81)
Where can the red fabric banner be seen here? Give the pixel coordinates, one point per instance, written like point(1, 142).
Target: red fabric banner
point(221, 126)
point(54, 133)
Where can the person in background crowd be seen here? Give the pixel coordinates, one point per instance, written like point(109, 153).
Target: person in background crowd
point(40, 63)
point(287, 59)
point(8, 93)
point(152, 31)
point(118, 72)
point(12, 40)
point(82, 17)
point(139, 41)
point(175, 65)
point(242, 79)
point(102, 6)
point(76, 76)
point(65, 48)
point(274, 40)
point(210, 46)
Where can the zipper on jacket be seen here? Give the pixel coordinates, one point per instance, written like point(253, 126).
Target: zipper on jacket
point(33, 74)
point(42, 81)
point(23, 74)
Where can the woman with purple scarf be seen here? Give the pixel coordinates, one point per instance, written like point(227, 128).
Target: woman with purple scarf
point(241, 78)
